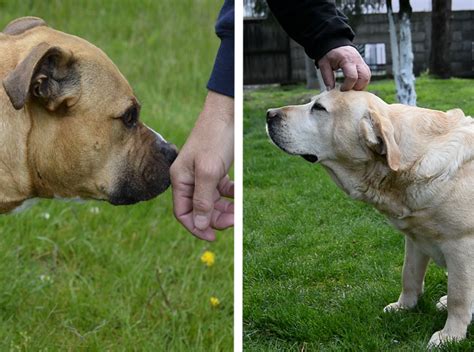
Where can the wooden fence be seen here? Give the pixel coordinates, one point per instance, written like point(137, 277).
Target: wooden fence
point(271, 57)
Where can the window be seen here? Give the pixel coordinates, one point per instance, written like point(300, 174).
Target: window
point(255, 9)
point(374, 56)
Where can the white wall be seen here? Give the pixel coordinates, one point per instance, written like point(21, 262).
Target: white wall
point(425, 5)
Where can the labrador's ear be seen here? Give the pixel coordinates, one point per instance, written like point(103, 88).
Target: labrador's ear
point(379, 135)
point(48, 73)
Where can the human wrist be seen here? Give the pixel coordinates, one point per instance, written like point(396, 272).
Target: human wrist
point(218, 108)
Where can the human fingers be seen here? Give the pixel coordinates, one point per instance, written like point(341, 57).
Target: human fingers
point(223, 215)
point(363, 76)
point(206, 180)
point(182, 181)
point(183, 210)
point(349, 70)
point(226, 187)
point(327, 73)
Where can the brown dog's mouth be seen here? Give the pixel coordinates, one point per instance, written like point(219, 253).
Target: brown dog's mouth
point(131, 191)
point(310, 157)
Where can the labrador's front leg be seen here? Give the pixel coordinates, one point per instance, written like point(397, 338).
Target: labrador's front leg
point(459, 259)
point(414, 269)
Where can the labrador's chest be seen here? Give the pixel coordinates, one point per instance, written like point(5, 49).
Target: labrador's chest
point(426, 235)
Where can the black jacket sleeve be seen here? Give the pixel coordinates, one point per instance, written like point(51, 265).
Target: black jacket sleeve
point(315, 24)
point(222, 77)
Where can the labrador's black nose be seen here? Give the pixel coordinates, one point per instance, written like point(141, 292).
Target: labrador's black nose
point(272, 113)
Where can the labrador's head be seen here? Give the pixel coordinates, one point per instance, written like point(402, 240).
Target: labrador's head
point(351, 128)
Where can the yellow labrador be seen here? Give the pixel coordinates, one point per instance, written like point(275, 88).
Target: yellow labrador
point(414, 165)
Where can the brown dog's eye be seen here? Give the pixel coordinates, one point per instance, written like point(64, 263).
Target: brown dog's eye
point(130, 117)
point(317, 106)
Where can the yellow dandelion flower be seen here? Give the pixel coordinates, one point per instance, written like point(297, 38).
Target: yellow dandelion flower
point(208, 258)
point(215, 302)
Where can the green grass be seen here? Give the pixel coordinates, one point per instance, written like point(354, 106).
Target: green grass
point(319, 267)
point(125, 278)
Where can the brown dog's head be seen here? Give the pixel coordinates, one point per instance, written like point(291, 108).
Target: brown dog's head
point(85, 138)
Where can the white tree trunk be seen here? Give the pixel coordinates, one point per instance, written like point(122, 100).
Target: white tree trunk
point(402, 58)
point(407, 78)
point(392, 29)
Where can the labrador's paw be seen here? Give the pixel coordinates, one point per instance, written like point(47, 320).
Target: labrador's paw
point(442, 303)
point(435, 340)
point(439, 338)
point(395, 307)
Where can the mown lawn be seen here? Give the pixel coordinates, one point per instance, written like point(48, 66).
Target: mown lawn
point(95, 277)
point(319, 267)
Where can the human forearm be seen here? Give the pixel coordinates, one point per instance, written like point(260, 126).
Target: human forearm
point(315, 24)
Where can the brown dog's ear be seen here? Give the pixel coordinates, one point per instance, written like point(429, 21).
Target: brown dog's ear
point(47, 73)
point(379, 135)
point(22, 24)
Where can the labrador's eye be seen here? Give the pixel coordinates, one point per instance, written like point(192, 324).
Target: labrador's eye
point(317, 106)
point(130, 117)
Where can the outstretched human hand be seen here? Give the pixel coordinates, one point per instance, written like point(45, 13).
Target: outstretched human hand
point(201, 186)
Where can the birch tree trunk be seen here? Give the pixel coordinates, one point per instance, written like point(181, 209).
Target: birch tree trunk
point(402, 52)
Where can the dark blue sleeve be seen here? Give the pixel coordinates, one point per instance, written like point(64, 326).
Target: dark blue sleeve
point(316, 25)
point(222, 77)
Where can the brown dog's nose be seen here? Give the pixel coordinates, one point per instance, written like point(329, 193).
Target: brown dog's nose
point(272, 113)
point(169, 151)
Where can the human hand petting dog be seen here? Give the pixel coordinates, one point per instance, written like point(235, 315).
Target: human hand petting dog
point(201, 186)
point(356, 72)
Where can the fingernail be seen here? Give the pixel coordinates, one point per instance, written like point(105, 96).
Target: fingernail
point(200, 221)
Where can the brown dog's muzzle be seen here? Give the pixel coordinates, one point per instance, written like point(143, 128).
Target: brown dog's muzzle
point(146, 174)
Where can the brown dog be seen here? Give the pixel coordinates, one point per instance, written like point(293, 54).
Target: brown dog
point(69, 123)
